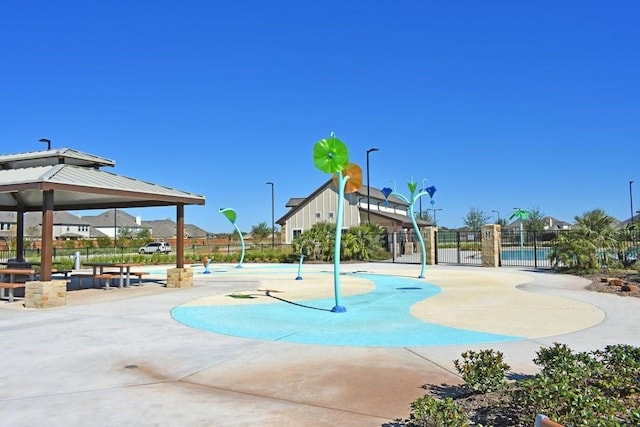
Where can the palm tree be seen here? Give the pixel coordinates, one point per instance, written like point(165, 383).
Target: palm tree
point(316, 243)
point(580, 247)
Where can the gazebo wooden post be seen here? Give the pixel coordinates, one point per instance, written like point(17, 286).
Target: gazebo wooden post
point(46, 255)
point(180, 236)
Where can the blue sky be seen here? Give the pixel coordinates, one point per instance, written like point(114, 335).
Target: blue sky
point(499, 104)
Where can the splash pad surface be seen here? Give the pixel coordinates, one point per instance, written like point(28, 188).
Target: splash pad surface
point(385, 307)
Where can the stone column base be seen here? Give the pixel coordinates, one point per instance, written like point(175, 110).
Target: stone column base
point(180, 278)
point(491, 243)
point(45, 294)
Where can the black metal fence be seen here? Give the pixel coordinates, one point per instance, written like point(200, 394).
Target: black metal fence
point(192, 251)
point(519, 248)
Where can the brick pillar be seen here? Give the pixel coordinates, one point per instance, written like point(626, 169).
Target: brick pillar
point(491, 245)
point(180, 278)
point(52, 293)
point(429, 237)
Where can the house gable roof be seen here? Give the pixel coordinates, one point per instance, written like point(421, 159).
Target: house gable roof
point(298, 203)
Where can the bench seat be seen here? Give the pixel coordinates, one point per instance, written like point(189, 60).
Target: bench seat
point(11, 287)
point(139, 275)
point(104, 276)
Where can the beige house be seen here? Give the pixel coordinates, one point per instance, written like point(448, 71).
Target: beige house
point(322, 206)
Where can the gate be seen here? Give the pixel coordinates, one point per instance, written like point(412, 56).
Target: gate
point(526, 248)
point(459, 247)
point(465, 248)
point(452, 247)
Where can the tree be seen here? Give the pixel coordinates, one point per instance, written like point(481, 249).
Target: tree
point(261, 232)
point(534, 221)
point(125, 237)
point(357, 243)
point(86, 243)
point(587, 244)
point(426, 216)
point(362, 242)
point(144, 234)
point(104, 241)
point(476, 218)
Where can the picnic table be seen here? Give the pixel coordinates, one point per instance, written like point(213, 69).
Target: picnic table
point(123, 271)
point(8, 281)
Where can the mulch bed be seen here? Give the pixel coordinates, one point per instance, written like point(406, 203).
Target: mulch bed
point(623, 283)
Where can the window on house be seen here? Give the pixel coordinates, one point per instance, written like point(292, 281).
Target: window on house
point(318, 215)
point(330, 215)
point(297, 232)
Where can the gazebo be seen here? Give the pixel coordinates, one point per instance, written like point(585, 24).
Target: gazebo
point(67, 179)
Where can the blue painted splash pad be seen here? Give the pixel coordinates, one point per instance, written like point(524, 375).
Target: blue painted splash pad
point(378, 318)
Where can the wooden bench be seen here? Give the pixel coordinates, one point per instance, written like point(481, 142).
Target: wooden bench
point(65, 273)
point(139, 275)
point(11, 287)
point(103, 276)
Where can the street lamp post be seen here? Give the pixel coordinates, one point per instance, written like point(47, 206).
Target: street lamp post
point(435, 221)
point(631, 202)
point(46, 141)
point(498, 214)
point(370, 150)
point(115, 229)
point(273, 226)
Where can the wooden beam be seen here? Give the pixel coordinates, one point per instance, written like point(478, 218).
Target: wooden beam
point(180, 236)
point(46, 255)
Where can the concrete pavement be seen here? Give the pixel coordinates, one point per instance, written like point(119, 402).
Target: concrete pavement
point(117, 357)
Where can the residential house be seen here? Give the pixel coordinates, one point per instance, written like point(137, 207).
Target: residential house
point(164, 229)
point(7, 229)
point(65, 226)
point(322, 206)
point(550, 223)
point(113, 222)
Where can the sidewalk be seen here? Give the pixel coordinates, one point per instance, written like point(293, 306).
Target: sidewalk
point(118, 357)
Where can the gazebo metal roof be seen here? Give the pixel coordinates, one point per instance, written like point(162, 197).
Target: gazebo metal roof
point(67, 179)
point(79, 187)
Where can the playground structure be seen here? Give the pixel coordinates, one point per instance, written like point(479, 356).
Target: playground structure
point(413, 197)
point(331, 155)
point(230, 214)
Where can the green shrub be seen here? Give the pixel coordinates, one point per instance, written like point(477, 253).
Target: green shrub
point(586, 388)
point(428, 411)
point(482, 371)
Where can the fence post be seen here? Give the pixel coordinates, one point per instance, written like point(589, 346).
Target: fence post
point(394, 246)
point(430, 245)
point(491, 245)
